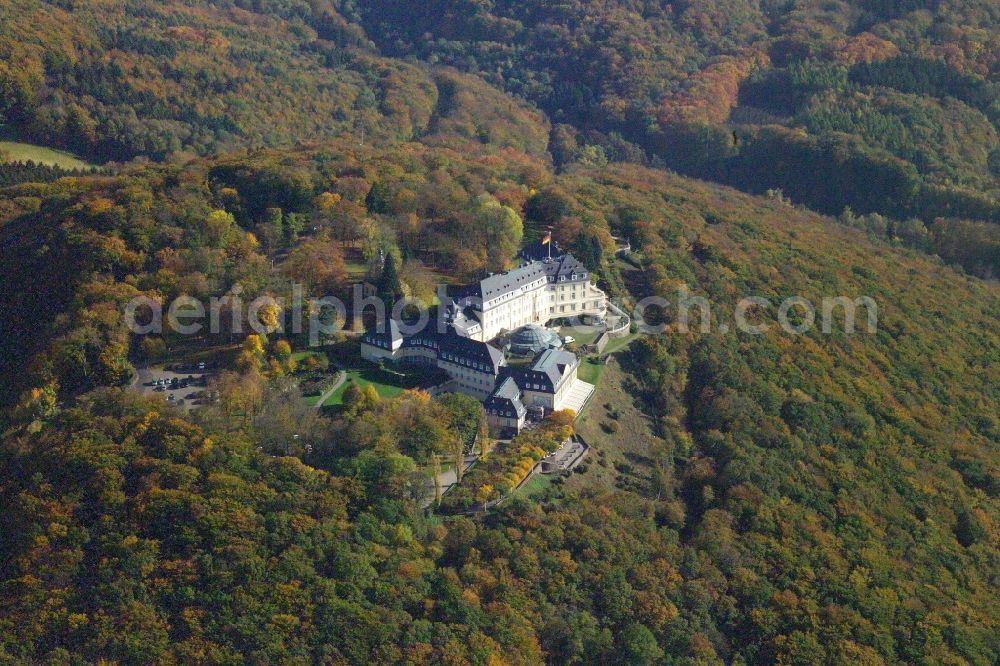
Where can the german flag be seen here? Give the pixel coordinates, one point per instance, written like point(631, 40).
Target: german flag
point(547, 238)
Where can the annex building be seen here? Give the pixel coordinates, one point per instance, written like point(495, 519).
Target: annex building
point(473, 366)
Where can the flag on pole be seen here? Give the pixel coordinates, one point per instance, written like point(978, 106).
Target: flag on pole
point(547, 238)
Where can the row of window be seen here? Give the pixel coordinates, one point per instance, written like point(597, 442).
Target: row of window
point(573, 277)
point(461, 360)
point(469, 387)
point(511, 294)
point(378, 342)
point(477, 380)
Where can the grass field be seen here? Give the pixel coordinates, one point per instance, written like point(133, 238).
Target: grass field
point(590, 372)
point(311, 400)
point(618, 344)
point(619, 454)
point(387, 384)
point(195, 349)
point(300, 356)
point(536, 487)
point(15, 151)
point(580, 334)
point(356, 270)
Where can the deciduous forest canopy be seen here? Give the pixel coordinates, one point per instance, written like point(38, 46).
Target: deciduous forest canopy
point(822, 498)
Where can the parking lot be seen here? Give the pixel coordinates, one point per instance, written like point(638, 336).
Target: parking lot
point(184, 385)
point(566, 457)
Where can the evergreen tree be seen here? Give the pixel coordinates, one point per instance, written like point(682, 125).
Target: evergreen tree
point(377, 199)
point(390, 289)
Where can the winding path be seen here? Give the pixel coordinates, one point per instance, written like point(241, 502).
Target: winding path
point(330, 391)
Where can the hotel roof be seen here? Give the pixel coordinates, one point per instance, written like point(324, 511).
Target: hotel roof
point(547, 370)
point(462, 349)
point(565, 266)
point(506, 396)
point(503, 283)
point(384, 334)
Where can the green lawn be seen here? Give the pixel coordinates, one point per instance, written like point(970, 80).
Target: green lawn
point(590, 371)
point(311, 400)
point(387, 384)
point(630, 441)
point(581, 334)
point(300, 356)
point(536, 486)
point(15, 151)
point(194, 349)
point(618, 344)
point(356, 270)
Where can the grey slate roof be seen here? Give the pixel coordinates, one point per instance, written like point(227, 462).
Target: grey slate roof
point(554, 362)
point(463, 320)
point(566, 266)
point(546, 370)
point(506, 397)
point(464, 351)
point(383, 335)
point(502, 283)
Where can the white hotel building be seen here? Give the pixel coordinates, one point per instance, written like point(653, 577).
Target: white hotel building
point(542, 289)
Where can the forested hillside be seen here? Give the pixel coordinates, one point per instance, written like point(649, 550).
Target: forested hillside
point(877, 107)
point(113, 81)
point(888, 108)
point(818, 498)
point(806, 499)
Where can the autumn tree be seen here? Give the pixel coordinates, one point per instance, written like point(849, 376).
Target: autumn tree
point(241, 395)
point(319, 265)
point(483, 436)
point(502, 230)
point(252, 355)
